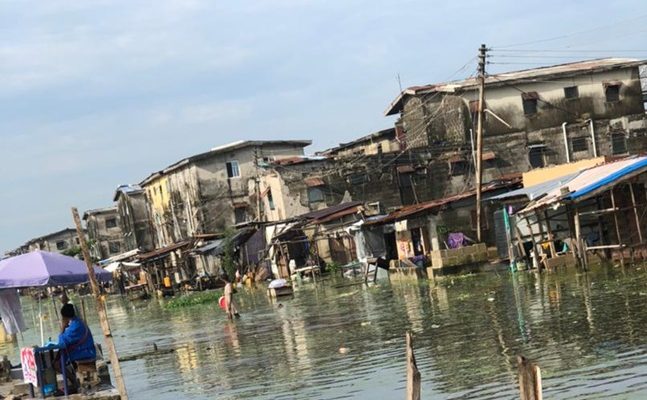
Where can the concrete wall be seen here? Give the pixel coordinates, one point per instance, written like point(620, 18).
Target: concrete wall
point(135, 222)
point(107, 240)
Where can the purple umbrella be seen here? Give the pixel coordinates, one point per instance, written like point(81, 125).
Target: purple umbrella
point(42, 268)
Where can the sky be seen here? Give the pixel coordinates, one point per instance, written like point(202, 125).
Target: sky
point(98, 93)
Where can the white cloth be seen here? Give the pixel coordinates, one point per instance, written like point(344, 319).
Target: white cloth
point(11, 311)
point(277, 284)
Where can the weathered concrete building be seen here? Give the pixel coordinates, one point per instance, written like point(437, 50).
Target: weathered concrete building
point(384, 141)
point(134, 219)
point(104, 232)
point(208, 192)
point(62, 241)
point(535, 118)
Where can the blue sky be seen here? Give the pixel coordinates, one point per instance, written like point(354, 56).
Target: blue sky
point(98, 93)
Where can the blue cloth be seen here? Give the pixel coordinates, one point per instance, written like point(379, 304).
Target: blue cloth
point(77, 340)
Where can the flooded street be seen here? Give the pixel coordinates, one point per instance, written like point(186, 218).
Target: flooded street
point(585, 331)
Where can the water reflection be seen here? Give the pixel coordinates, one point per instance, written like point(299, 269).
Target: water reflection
point(583, 329)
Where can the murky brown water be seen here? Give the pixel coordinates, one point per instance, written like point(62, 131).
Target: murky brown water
point(586, 331)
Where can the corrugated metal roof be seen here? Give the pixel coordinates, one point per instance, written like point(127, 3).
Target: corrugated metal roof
point(536, 191)
point(590, 182)
point(574, 68)
point(326, 212)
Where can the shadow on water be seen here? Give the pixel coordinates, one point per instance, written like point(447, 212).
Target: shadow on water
point(585, 330)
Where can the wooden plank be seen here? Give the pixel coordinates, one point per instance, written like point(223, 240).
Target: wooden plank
point(636, 216)
point(617, 225)
point(597, 212)
point(530, 387)
point(413, 375)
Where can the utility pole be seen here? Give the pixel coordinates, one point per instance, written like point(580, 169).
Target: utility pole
point(479, 139)
point(257, 186)
point(101, 308)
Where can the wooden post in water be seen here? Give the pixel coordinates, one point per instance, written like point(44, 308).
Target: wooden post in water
point(413, 375)
point(617, 224)
point(101, 308)
point(529, 379)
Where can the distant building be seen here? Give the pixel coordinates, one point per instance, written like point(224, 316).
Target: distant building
point(104, 232)
point(384, 141)
point(62, 241)
point(210, 191)
point(134, 219)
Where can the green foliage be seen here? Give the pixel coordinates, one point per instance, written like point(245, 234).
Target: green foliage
point(194, 299)
point(228, 262)
point(333, 267)
point(72, 251)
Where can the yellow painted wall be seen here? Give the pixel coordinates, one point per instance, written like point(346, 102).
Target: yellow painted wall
point(158, 194)
point(541, 175)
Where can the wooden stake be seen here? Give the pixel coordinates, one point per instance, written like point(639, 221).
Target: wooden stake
point(529, 380)
point(413, 375)
point(549, 233)
point(101, 308)
point(633, 203)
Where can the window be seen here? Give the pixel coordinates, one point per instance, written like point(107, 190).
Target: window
point(61, 245)
point(571, 92)
point(579, 144)
point(233, 171)
point(612, 93)
point(315, 195)
point(270, 200)
point(111, 223)
point(618, 143)
point(484, 221)
point(530, 103)
point(114, 247)
point(536, 156)
point(459, 168)
point(240, 214)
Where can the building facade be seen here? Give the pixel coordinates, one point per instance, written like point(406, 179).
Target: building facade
point(134, 220)
point(535, 118)
point(211, 191)
point(104, 232)
point(63, 241)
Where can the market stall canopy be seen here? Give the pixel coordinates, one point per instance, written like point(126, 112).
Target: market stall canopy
point(121, 265)
point(41, 268)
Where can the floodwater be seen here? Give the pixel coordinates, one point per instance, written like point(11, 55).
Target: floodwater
point(586, 331)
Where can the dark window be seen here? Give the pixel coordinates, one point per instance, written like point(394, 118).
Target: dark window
point(111, 223)
point(612, 93)
point(484, 222)
point(536, 157)
point(61, 245)
point(579, 144)
point(571, 92)
point(233, 171)
point(459, 168)
point(240, 214)
point(78, 241)
point(315, 195)
point(530, 103)
point(618, 143)
point(270, 200)
point(114, 247)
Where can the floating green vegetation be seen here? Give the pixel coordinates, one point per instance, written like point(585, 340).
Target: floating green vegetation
point(194, 299)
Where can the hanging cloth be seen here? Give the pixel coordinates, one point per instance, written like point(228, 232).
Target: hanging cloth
point(11, 311)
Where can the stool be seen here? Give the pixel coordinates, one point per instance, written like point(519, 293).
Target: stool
point(86, 373)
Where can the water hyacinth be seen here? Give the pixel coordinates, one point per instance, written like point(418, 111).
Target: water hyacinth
point(193, 299)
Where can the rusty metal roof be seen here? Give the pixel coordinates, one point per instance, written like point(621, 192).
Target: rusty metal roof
point(314, 181)
point(438, 204)
point(164, 250)
point(568, 69)
point(326, 212)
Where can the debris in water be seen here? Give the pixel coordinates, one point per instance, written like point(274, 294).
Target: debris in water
point(490, 299)
point(434, 326)
point(343, 350)
point(366, 323)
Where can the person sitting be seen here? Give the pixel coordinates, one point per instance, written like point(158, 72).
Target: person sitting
point(76, 336)
point(77, 341)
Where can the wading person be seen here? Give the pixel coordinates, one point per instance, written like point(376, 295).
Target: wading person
point(77, 342)
point(229, 300)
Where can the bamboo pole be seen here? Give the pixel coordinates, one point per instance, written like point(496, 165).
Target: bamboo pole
point(529, 380)
point(581, 252)
point(549, 233)
point(413, 375)
point(101, 308)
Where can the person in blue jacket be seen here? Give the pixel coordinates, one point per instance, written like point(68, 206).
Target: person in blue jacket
point(76, 336)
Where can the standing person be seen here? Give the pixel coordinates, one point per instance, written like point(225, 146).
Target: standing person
point(229, 299)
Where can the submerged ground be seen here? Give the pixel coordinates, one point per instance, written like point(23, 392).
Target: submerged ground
point(586, 331)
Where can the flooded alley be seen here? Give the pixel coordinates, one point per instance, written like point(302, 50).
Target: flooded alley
point(584, 330)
